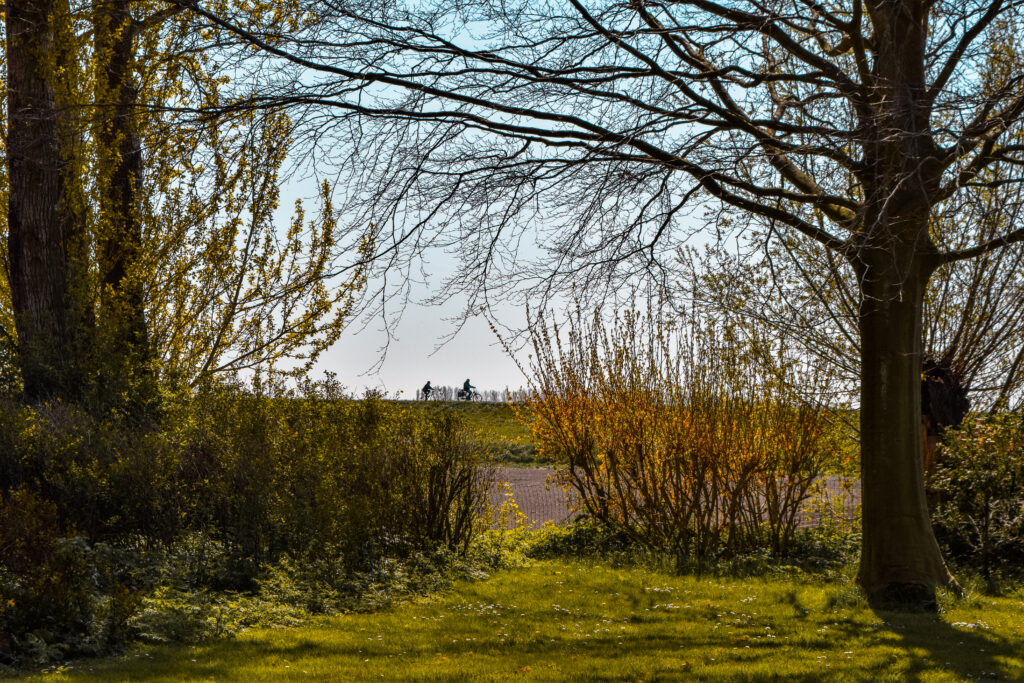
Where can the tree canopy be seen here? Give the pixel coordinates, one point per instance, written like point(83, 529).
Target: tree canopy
point(867, 127)
point(144, 244)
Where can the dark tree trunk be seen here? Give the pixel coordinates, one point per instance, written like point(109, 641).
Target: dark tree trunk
point(901, 564)
point(894, 256)
point(122, 302)
point(43, 227)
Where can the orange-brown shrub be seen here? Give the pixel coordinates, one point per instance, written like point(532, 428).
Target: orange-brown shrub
point(687, 441)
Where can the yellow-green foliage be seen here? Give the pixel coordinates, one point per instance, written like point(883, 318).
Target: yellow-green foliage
point(225, 284)
point(684, 441)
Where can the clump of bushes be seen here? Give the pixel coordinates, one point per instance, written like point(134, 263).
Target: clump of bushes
point(583, 537)
point(60, 595)
point(978, 513)
point(688, 442)
point(105, 526)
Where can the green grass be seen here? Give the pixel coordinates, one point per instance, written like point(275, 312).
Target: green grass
point(570, 620)
point(508, 440)
point(495, 421)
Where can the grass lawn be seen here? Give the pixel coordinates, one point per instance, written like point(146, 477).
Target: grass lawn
point(559, 620)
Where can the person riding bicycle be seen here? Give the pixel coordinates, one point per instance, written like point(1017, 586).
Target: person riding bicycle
point(467, 393)
point(427, 390)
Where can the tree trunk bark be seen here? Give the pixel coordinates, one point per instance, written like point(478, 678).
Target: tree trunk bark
point(901, 564)
point(41, 225)
point(122, 303)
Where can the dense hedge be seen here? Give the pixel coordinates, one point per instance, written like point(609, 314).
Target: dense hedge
point(97, 514)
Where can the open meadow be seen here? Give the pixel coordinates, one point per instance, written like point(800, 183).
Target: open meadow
point(577, 620)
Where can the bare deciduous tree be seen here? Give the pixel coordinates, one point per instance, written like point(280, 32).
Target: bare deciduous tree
point(973, 309)
point(598, 124)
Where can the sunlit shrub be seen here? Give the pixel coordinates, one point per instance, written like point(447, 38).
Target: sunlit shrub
point(583, 537)
point(978, 515)
point(685, 440)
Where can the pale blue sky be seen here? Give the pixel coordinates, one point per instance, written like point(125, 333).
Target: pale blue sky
point(411, 359)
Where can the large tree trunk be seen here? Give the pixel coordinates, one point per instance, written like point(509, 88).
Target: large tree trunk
point(901, 564)
point(42, 223)
point(122, 304)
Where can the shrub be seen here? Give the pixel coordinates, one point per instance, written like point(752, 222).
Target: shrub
point(584, 537)
point(435, 473)
point(105, 478)
point(978, 515)
point(59, 595)
point(681, 441)
point(231, 483)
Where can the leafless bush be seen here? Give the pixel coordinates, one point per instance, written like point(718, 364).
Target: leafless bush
point(688, 441)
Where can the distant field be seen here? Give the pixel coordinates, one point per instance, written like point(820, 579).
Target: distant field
point(509, 441)
point(558, 620)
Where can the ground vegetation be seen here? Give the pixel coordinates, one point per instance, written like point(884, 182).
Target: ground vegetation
point(111, 532)
point(581, 620)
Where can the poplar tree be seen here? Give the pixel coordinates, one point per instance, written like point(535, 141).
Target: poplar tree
point(144, 235)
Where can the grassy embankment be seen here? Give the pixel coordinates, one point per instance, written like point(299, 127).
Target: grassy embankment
point(573, 620)
point(509, 441)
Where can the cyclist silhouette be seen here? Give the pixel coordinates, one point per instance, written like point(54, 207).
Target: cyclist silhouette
point(427, 390)
point(467, 393)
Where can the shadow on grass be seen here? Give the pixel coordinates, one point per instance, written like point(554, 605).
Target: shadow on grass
point(964, 651)
point(794, 638)
point(260, 659)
